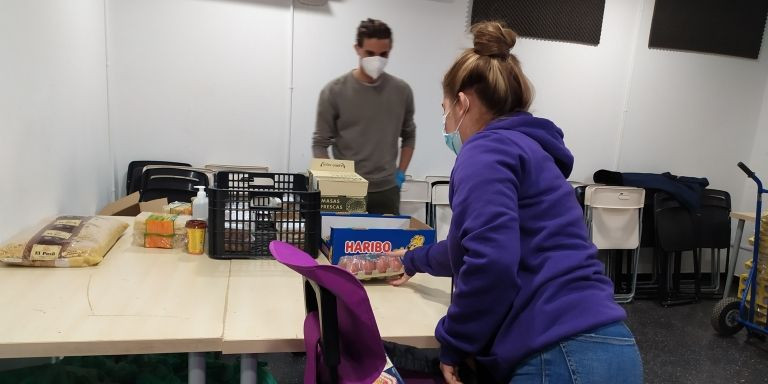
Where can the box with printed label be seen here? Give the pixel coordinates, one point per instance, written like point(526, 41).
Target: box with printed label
point(352, 234)
point(341, 189)
point(342, 204)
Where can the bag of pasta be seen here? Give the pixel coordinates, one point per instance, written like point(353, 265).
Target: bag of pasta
point(67, 241)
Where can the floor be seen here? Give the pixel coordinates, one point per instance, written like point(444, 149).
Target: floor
point(678, 345)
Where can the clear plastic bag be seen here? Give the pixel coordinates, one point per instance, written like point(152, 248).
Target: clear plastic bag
point(160, 230)
point(67, 241)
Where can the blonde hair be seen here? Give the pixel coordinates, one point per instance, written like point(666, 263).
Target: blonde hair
point(491, 71)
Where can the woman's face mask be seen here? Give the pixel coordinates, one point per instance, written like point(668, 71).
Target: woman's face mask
point(453, 139)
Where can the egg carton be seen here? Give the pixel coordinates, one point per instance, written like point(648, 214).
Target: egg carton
point(372, 265)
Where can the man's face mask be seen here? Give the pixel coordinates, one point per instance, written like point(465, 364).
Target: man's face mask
point(374, 65)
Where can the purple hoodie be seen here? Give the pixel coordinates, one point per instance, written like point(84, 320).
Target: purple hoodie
point(526, 273)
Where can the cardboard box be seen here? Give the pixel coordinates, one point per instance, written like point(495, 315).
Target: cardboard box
point(130, 206)
point(351, 234)
point(341, 189)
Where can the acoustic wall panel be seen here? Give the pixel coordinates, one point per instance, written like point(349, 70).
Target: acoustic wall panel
point(578, 21)
point(733, 27)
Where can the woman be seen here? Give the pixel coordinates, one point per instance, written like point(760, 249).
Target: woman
point(531, 303)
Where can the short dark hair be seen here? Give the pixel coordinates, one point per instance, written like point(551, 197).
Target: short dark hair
point(372, 29)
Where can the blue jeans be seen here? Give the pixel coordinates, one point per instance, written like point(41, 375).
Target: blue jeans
point(604, 355)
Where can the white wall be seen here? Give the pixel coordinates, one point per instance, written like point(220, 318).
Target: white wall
point(758, 161)
point(199, 81)
point(53, 115)
point(209, 81)
point(692, 114)
point(620, 104)
point(214, 79)
point(428, 35)
point(583, 88)
point(580, 87)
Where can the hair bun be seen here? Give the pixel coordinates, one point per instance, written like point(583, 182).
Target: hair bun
point(493, 38)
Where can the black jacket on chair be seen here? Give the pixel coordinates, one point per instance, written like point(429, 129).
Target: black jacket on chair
point(687, 190)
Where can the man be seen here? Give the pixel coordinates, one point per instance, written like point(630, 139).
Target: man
point(363, 113)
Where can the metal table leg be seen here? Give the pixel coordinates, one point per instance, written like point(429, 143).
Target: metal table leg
point(248, 368)
point(196, 367)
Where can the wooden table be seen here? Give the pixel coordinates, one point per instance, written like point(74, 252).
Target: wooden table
point(136, 301)
point(265, 310)
point(141, 301)
point(408, 314)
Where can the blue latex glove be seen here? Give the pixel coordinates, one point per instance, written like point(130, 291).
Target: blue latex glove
point(399, 178)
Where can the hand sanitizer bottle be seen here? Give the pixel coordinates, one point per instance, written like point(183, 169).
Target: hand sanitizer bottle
point(200, 205)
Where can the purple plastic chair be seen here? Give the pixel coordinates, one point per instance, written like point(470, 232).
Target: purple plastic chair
point(343, 345)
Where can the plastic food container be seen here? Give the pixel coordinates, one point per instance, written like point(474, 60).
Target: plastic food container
point(196, 236)
point(372, 265)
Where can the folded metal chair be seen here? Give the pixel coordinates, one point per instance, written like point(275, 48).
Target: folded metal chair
point(414, 199)
point(440, 209)
point(613, 216)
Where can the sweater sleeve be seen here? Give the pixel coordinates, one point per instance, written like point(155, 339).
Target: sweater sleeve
point(487, 225)
point(432, 259)
point(408, 132)
point(325, 125)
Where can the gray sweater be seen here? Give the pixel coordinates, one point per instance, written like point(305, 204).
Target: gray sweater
point(363, 123)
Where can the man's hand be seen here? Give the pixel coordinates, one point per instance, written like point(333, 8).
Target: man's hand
point(399, 178)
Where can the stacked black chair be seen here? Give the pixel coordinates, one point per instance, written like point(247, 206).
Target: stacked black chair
point(175, 184)
point(580, 191)
point(133, 180)
point(676, 233)
point(714, 233)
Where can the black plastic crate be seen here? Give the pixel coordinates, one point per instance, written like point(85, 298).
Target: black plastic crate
point(249, 210)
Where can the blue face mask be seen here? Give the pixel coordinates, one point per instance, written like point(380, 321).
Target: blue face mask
point(453, 139)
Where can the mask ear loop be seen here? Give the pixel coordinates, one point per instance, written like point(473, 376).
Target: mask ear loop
point(445, 115)
point(462, 118)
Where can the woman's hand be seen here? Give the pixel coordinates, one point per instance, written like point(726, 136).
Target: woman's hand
point(400, 253)
point(400, 280)
point(450, 374)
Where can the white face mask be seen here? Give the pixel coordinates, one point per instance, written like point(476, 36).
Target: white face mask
point(373, 65)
